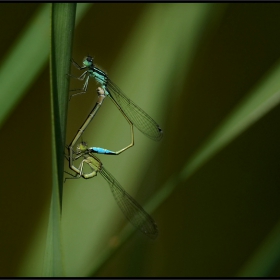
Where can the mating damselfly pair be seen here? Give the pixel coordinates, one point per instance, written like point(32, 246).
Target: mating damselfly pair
point(135, 116)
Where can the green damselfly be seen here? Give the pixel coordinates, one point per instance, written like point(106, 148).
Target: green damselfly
point(135, 214)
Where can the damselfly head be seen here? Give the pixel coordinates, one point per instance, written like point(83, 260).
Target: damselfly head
point(82, 147)
point(88, 61)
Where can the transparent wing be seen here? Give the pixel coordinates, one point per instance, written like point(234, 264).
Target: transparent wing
point(130, 208)
point(136, 115)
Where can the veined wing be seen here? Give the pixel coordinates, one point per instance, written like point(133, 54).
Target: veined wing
point(136, 115)
point(130, 208)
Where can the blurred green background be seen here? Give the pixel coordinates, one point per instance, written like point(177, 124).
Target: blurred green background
point(189, 66)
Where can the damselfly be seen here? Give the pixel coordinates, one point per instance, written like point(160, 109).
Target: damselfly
point(134, 113)
point(128, 205)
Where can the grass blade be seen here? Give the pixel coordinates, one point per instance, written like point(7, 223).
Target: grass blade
point(63, 21)
point(20, 55)
point(266, 258)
